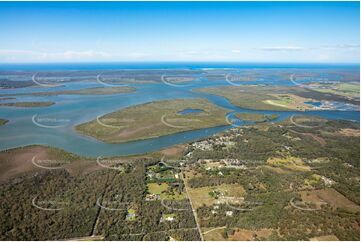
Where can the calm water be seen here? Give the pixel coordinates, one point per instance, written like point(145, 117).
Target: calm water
point(58, 120)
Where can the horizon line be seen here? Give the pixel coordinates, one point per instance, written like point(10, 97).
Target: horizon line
point(174, 62)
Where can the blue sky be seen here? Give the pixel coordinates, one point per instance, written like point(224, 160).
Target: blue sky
point(180, 31)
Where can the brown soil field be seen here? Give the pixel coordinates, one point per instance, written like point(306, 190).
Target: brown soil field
point(349, 132)
point(329, 196)
point(173, 151)
point(243, 234)
point(325, 238)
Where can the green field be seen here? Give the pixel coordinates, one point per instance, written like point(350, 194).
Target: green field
point(259, 97)
point(162, 118)
point(343, 89)
point(161, 190)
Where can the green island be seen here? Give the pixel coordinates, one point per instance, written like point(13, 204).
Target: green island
point(276, 98)
point(256, 117)
point(85, 91)
point(28, 104)
point(3, 121)
point(162, 118)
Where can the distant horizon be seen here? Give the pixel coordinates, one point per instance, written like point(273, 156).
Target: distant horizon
point(96, 66)
point(175, 62)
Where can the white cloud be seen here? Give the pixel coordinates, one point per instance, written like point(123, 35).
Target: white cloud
point(23, 55)
point(284, 48)
point(17, 52)
point(342, 46)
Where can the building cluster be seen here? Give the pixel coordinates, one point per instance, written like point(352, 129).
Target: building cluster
point(207, 145)
point(222, 163)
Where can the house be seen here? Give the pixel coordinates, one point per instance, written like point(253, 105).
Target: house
point(168, 217)
point(130, 215)
point(229, 213)
point(152, 197)
point(328, 182)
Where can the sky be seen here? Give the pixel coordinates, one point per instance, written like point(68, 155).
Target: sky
point(297, 32)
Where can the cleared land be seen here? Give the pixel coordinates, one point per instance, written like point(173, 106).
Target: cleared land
point(212, 195)
point(325, 238)
point(329, 196)
point(32, 159)
point(259, 97)
point(161, 118)
point(161, 190)
point(219, 234)
point(28, 104)
point(291, 163)
point(343, 89)
point(350, 132)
